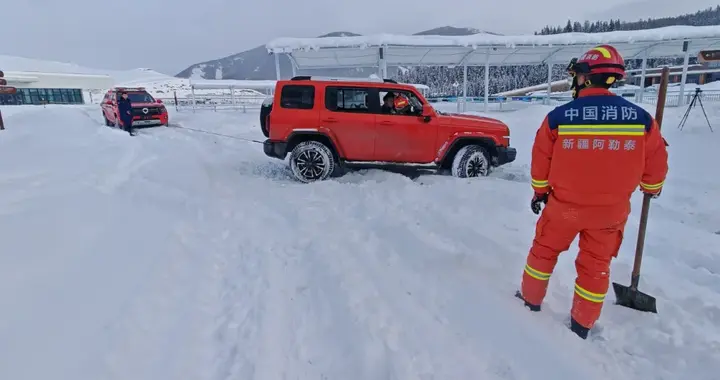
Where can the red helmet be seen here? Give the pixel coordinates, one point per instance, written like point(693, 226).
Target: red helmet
point(603, 59)
point(400, 102)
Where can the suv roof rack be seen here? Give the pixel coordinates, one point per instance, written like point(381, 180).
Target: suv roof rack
point(348, 79)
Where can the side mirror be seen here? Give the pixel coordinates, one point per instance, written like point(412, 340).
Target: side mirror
point(108, 102)
point(158, 101)
point(426, 113)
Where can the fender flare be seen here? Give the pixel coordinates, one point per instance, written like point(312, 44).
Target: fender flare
point(455, 142)
point(296, 137)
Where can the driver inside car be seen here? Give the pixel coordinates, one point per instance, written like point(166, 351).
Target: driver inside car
point(388, 106)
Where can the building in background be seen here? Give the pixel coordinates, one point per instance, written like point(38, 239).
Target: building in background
point(52, 88)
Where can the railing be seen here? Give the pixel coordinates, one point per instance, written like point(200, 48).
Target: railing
point(497, 103)
point(512, 103)
point(672, 99)
point(215, 102)
point(244, 102)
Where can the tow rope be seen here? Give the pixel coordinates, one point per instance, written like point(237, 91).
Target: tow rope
point(219, 134)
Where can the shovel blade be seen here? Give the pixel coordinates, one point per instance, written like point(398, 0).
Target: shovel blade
point(634, 299)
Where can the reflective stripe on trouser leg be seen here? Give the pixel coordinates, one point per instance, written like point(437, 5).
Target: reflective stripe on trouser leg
point(587, 306)
point(597, 248)
point(552, 237)
point(534, 284)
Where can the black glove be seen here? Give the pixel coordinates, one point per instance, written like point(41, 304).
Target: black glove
point(536, 201)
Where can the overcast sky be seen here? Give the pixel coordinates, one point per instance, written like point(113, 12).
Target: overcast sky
point(170, 35)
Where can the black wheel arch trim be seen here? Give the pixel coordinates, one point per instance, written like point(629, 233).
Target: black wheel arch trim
point(295, 138)
point(459, 142)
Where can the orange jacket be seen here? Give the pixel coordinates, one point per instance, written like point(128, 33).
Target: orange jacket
point(597, 149)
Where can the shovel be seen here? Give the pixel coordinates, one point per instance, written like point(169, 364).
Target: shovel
point(630, 296)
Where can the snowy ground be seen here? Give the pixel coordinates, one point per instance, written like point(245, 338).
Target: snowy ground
point(181, 255)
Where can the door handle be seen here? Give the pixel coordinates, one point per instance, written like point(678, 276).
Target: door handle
point(330, 120)
point(387, 123)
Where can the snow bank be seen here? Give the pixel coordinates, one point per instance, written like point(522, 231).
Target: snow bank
point(175, 254)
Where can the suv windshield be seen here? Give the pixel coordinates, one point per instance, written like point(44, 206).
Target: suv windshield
point(139, 97)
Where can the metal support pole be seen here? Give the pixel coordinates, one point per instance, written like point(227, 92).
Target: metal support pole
point(683, 79)
point(382, 64)
point(549, 82)
point(465, 85)
point(642, 77)
point(487, 80)
point(294, 68)
point(277, 66)
point(232, 95)
point(192, 93)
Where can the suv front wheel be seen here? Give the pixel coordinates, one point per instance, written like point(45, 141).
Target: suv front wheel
point(311, 161)
point(471, 161)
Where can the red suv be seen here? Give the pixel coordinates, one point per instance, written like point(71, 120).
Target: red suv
point(146, 110)
point(327, 124)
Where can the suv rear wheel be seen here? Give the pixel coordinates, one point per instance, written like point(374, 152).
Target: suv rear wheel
point(311, 161)
point(471, 161)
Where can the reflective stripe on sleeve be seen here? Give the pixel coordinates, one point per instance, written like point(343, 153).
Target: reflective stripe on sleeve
point(590, 296)
point(539, 184)
point(602, 130)
point(536, 274)
point(653, 186)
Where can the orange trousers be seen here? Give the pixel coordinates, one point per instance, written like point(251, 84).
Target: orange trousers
point(601, 234)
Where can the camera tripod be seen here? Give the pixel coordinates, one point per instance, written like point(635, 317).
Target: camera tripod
point(692, 104)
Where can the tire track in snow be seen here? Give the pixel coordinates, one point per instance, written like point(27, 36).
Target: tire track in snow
point(124, 170)
point(414, 339)
point(256, 332)
point(164, 329)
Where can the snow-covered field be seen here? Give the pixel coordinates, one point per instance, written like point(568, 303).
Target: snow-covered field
point(182, 255)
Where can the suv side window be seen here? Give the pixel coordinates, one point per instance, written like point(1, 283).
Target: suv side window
point(297, 97)
point(347, 99)
point(415, 103)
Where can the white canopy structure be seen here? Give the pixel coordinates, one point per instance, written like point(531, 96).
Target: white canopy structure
point(489, 50)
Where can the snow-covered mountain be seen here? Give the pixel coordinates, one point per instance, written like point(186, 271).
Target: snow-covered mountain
point(256, 63)
point(12, 63)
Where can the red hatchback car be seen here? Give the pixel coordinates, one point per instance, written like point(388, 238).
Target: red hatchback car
point(146, 110)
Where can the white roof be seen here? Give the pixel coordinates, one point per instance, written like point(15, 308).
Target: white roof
point(231, 83)
point(362, 51)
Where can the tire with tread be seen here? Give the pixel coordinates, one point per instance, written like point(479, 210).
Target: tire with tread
point(471, 161)
point(312, 161)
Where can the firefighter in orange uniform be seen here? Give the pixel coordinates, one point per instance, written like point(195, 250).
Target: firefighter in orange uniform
point(589, 155)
